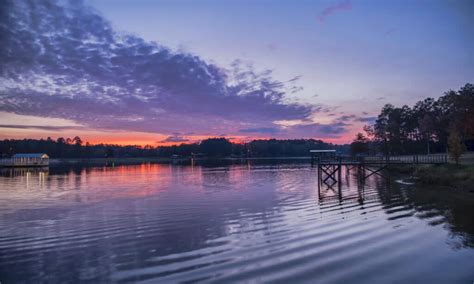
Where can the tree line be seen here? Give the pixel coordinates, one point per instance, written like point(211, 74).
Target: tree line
point(430, 126)
point(212, 147)
point(71, 148)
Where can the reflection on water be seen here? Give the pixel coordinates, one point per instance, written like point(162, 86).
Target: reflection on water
point(228, 223)
point(24, 171)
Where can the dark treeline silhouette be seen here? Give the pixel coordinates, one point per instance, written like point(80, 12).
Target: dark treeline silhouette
point(71, 148)
point(213, 147)
point(221, 147)
point(430, 126)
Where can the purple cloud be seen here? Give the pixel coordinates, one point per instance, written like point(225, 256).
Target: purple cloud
point(66, 61)
point(42, 127)
point(347, 119)
point(174, 139)
point(370, 119)
point(264, 130)
point(317, 129)
point(328, 11)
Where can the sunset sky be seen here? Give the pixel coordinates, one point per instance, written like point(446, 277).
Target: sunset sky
point(174, 71)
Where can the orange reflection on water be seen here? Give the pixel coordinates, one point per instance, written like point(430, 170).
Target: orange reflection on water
point(86, 185)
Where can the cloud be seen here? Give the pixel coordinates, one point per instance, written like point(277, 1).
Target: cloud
point(64, 60)
point(174, 138)
point(347, 119)
point(369, 119)
point(303, 130)
point(318, 129)
point(42, 127)
point(328, 11)
point(267, 130)
point(306, 130)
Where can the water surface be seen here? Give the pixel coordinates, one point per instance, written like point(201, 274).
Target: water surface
point(232, 223)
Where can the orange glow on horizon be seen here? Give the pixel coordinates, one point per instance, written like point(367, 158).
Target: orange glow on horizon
point(127, 138)
point(145, 140)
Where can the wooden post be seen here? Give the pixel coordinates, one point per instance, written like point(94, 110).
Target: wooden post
point(339, 171)
point(339, 182)
point(319, 182)
point(320, 178)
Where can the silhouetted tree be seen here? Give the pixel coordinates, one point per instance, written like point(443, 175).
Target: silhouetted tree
point(359, 145)
point(427, 129)
point(109, 153)
point(216, 147)
point(426, 126)
point(455, 144)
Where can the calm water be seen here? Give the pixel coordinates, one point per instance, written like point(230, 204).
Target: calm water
point(236, 223)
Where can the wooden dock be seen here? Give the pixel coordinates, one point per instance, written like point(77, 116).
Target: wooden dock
point(318, 158)
point(330, 165)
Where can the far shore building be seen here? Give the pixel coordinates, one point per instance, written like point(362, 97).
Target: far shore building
point(26, 160)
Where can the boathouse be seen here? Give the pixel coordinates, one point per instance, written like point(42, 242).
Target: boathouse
point(30, 160)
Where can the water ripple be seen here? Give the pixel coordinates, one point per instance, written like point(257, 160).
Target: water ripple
point(227, 224)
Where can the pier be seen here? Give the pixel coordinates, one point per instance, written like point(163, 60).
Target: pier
point(330, 165)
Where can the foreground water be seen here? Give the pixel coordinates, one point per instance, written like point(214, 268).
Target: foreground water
point(238, 223)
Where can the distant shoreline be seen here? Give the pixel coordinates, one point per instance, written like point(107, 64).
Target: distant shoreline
point(131, 160)
point(53, 162)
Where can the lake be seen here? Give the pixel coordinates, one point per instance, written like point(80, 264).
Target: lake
point(244, 222)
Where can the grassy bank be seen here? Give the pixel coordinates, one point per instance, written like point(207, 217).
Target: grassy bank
point(455, 176)
point(451, 174)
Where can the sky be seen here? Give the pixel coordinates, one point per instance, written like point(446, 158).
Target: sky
point(163, 72)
